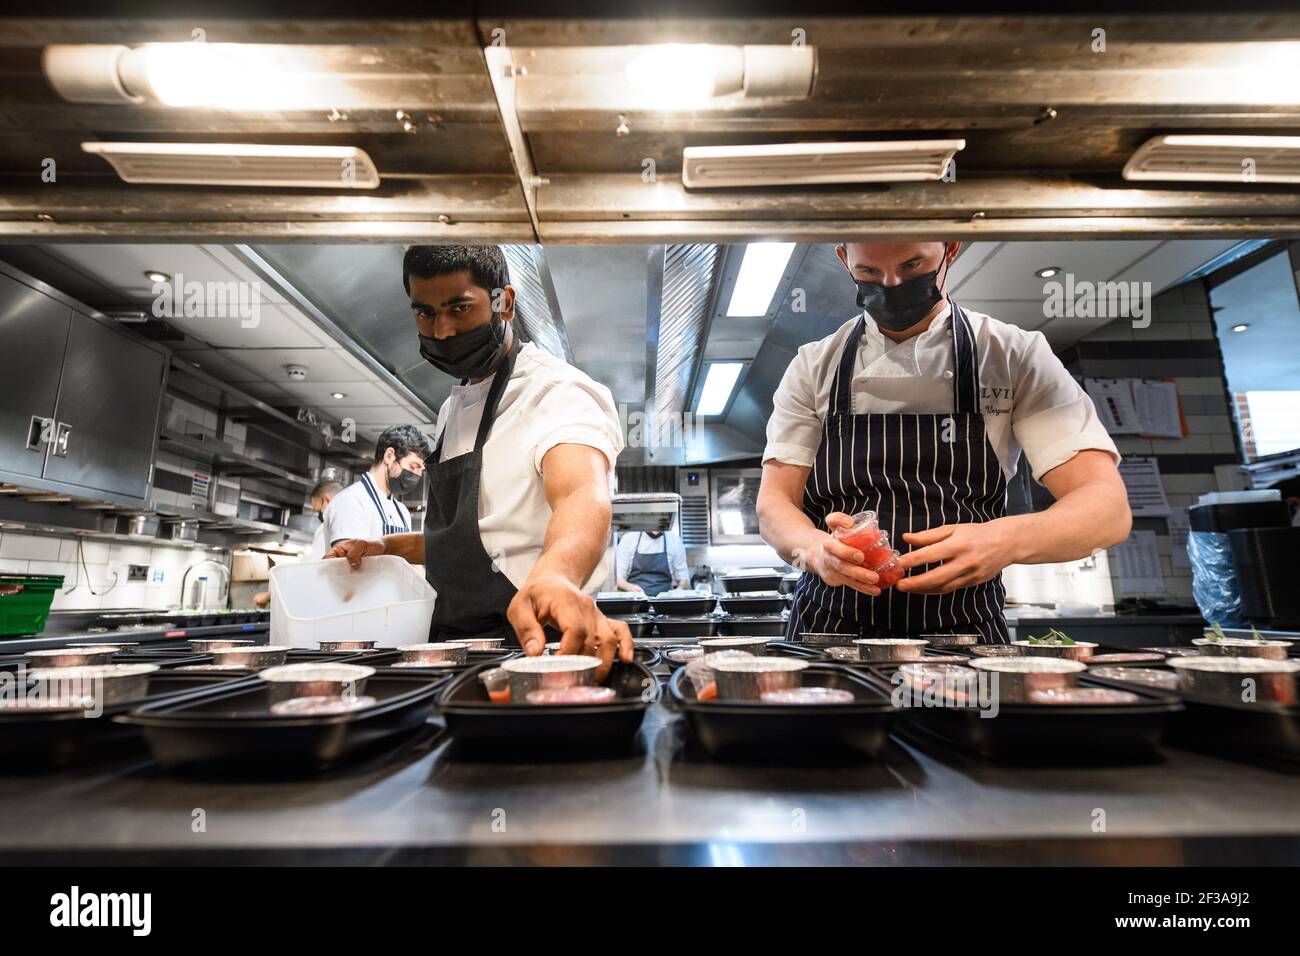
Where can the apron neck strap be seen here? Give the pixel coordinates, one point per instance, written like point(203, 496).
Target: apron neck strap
point(841, 387)
point(966, 374)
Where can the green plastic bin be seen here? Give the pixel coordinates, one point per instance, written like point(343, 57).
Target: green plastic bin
point(25, 602)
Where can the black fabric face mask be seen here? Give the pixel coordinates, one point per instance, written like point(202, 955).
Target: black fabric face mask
point(404, 483)
point(899, 307)
point(468, 355)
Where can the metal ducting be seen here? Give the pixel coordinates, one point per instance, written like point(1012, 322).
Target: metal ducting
point(688, 282)
point(537, 309)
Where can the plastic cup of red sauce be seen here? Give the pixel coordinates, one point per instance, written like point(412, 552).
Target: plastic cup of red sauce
point(877, 553)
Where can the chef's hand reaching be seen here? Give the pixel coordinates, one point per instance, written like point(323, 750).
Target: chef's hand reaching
point(552, 599)
point(967, 554)
point(835, 562)
point(354, 550)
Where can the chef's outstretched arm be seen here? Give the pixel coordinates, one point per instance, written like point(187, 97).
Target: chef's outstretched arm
point(1091, 511)
point(409, 546)
point(575, 479)
point(783, 525)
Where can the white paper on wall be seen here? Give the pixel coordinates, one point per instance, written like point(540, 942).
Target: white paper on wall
point(1146, 492)
point(1179, 526)
point(1138, 563)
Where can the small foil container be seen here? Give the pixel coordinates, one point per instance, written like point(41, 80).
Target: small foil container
point(1240, 647)
point(527, 674)
point(482, 643)
point(349, 645)
point(1146, 676)
point(206, 645)
point(684, 655)
point(951, 640)
point(1082, 695)
point(72, 656)
point(315, 680)
point(572, 695)
point(254, 658)
point(952, 681)
point(890, 649)
point(425, 654)
point(434, 665)
point(750, 645)
point(1127, 657)
point(995, 650)
point(120, 646)
point(319, 706)
point(809, 695)
point(841, 652)
point(817, 639)
point(750, 679)
point(946, 659)
point(209, 668)
point(1018, 677)
point(1222, 678)
point(1078, 651)
point(699, 671)
point(110, 683)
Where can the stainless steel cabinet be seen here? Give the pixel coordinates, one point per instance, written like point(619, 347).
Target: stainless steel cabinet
point(80, 398)
point(33, 333)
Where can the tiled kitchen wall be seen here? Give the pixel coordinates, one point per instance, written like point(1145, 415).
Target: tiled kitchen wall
point(25, 553)
point(1181, 343)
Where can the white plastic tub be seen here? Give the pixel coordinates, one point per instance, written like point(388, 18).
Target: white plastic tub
point(388, 601)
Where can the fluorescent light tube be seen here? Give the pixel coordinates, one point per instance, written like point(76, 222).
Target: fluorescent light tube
point(719, 382)
point(760, 274)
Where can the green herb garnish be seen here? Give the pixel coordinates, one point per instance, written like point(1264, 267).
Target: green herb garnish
point(1215, 635)
point(1053, 638)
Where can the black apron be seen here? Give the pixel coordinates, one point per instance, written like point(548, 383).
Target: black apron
point(650, 571)
point(373, 492)
point(915, 472)
point(472, 593)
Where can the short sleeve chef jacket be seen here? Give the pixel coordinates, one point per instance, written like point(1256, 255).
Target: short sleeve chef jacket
point(546, 402)
point(1028, 399)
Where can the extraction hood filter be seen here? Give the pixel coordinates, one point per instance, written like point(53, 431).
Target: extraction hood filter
point(240, 164)
point(809, 164)
point(1217, 159)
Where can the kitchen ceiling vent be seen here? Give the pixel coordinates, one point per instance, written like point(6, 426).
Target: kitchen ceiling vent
point(240, 164)
point(1217, 159)
point(809, 164)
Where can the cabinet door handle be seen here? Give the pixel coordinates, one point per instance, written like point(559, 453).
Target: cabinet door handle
point(61, 439)
point(40, 433)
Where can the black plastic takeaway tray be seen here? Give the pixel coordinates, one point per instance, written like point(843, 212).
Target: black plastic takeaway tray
point(744, 729)
point(231, 727)
point(1262, 729)
point(684, 606)
point(387, 657)
point(775, 648)
point(762, 625)
point(687, 628)
point(748, 604)
point(632, 604)
point(642, 626)
point(39, 741)
point(740, 583)
point(476, 722)
point(1048, 734)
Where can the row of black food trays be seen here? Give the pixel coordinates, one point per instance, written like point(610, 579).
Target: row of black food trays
point(692, 605)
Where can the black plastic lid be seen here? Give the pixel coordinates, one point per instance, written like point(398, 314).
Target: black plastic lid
point(1248, 514)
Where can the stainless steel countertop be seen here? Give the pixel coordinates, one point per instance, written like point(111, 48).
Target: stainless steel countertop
point(428, 803)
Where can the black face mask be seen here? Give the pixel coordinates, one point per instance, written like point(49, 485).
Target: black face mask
point(471, 354)
point(899, 307)
point(320, 516)
point(404, 483)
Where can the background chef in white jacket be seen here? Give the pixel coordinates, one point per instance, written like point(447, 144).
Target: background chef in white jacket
point(652, 562)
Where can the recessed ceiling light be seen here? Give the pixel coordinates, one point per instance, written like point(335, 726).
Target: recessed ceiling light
point(1048, 272)
point(338, 395)
point(719, 382)
point(1240, 327)
point(759, 275)
point(155, 276)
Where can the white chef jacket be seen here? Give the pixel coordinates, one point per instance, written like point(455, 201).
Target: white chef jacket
point(546, 402)
point(1028, 399)
point(648, 545)
point(352, 513)
point(316, 550)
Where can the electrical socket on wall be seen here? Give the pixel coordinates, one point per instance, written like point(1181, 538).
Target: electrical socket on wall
point(137, 572)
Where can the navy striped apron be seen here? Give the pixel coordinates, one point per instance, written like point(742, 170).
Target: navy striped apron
point(373, 492)
point(915, 472)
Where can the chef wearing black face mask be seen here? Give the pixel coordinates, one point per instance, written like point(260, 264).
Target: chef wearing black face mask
point(371, 507)
point(518, 520)
point(919, 410)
